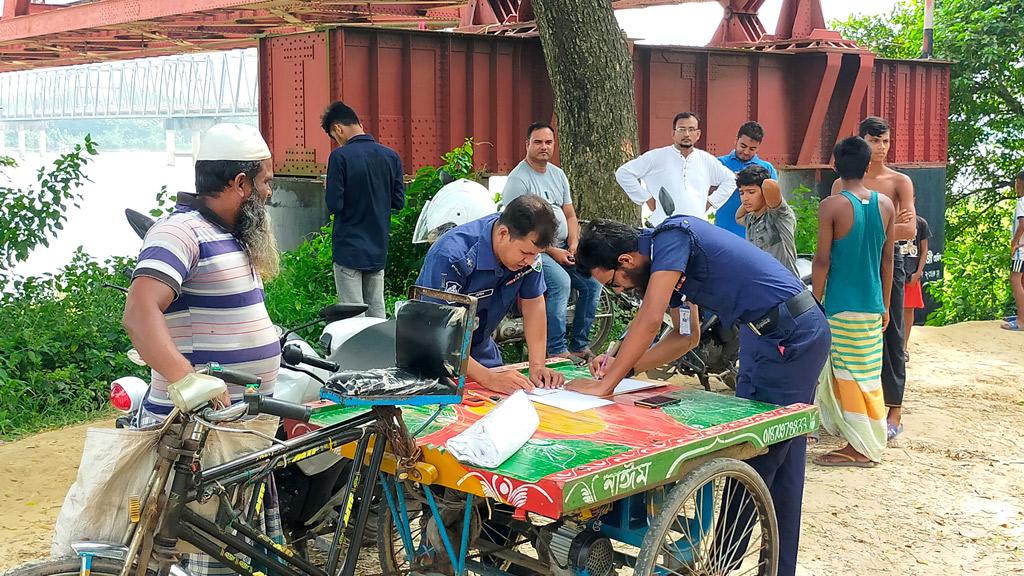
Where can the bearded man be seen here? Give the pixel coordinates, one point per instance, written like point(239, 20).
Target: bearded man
point(197, 290)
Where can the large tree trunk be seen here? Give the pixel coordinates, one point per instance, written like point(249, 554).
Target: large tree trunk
point(591, 73)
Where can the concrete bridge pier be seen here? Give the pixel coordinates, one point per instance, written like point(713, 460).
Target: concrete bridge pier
point(192, 126)
point(169, 143)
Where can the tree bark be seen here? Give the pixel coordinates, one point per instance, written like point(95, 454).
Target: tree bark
point(591, 73)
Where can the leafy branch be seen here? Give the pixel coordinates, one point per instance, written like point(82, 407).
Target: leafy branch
point(29, 217)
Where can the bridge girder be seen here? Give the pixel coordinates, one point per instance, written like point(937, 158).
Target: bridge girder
point(39, 35)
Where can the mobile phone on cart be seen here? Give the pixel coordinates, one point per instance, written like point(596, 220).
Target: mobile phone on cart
point(656, 401)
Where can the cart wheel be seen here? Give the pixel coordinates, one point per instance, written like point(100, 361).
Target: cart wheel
point(718, 519)
point(394, 561)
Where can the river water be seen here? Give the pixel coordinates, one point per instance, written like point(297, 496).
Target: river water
point(118, 180)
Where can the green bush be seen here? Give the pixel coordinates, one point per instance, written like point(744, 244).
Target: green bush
point(62, 345)
point(805, 206)
point(976, 257)
point(405, 258)
point(306, 282)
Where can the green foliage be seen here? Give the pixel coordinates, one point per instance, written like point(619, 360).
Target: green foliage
point(898, 35)
point(164, 203)
point(62, 344)
point(404, 257)
point(983, 39)
point(306, 282)
point(29, 217)
point(975, 286)
point(805, 206)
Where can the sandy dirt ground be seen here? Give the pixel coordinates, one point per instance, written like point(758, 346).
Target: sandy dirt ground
point(946, 500)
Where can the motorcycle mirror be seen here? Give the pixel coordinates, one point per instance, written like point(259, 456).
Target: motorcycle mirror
point(336, 312)
point(445, 177)
point(139, 222)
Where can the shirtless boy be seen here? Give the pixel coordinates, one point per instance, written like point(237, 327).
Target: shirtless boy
point(900, 190)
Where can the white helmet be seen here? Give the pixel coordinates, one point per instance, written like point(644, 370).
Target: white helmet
point(454, 204)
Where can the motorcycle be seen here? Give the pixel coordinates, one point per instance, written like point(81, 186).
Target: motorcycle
point(717, 354)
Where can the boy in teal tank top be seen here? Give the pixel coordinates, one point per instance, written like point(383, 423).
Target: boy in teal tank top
point(852, 277)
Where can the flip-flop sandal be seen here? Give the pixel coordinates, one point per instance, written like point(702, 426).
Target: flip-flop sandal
point(891, 432)
point(813, 437)
point(1011, 326)
point(846, 461)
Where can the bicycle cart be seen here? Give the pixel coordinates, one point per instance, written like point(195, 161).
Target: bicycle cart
point(648, 491)
point(658, 491)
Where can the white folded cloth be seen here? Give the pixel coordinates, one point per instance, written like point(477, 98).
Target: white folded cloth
point(498, 435)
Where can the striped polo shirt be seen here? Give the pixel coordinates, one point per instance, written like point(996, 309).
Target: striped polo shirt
point(218, 314)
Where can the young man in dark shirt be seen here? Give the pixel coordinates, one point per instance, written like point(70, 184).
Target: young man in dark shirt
point(364, 184)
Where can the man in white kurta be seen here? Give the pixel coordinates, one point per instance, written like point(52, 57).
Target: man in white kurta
point(677, 179)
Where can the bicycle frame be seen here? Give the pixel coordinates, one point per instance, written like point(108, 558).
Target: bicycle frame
point(180, 446)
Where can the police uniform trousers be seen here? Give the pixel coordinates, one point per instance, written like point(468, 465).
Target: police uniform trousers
point(782, 367)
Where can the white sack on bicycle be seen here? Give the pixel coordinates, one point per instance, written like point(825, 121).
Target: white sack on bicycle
point(226, 446)
point(498, 435)
point(115, 466)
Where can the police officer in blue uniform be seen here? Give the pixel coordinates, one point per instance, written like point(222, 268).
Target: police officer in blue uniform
point(784, 336)
point(497, 259)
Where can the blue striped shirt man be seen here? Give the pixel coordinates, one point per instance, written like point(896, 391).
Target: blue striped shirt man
point(218, 314)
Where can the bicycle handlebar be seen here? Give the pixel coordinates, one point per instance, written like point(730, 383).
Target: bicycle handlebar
point(292, 356)
point(229, 414)
point(233, 376)
point(257, 404)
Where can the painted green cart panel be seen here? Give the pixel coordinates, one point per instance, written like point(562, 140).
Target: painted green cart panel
point(581, 460)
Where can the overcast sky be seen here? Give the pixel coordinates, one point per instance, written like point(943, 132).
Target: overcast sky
point(693, 24)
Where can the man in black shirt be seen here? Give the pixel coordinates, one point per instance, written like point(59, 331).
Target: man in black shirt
point(364, 184)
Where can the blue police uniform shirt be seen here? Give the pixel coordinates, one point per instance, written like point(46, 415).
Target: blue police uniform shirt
point(729, 275)
point(725, 217)
point(463, 261)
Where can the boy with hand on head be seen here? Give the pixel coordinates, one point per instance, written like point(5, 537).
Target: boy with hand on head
point(769, 220)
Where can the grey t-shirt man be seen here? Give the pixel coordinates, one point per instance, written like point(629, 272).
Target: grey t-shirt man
point(551, 185)
point(775, 233)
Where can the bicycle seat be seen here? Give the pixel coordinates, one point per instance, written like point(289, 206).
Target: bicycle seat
point(417, 358)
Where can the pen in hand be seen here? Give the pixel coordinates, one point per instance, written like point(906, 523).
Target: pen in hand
point(604, 362)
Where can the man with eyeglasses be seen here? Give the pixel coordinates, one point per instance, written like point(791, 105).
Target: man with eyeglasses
point(677, 179)
point(784, 335)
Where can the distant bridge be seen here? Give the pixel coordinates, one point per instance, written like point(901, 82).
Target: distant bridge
point(210, 85)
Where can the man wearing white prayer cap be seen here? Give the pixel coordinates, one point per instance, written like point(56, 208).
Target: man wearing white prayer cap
point(196, 295)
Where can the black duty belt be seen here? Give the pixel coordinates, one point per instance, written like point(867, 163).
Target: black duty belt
point(797, 305)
